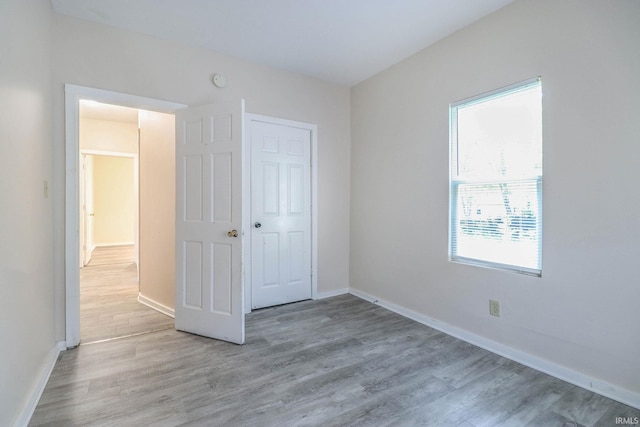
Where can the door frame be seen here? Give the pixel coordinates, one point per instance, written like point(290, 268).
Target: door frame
point(246, 199)
point(73, 94)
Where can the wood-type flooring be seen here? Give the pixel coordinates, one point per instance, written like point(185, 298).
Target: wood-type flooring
point(109, 306)
point(339, 361)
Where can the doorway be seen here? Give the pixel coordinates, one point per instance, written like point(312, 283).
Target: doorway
point(73, 95)
point(109, 185)
point(126, 235)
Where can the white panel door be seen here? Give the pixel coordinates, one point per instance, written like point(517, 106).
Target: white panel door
point(280, 214)
point(209, 292)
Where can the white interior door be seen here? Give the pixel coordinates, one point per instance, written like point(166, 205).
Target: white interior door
point(209, 291)
point(280, 214)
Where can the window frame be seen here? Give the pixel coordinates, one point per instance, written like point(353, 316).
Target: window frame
point(455, 181)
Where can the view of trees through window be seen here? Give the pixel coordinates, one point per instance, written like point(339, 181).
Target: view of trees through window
point(496, 178)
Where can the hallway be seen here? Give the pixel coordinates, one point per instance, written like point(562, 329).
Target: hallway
point(108, 298)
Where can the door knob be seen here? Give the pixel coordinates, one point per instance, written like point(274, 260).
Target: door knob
point(232, 233)
point(257, 225)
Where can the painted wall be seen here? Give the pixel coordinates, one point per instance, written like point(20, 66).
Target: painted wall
point(157, 207)
point(26, 227)
point(93, 55)
point(107, 135)
point(583, 312)
point(114, 202)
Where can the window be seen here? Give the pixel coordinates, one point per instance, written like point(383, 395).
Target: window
point(495, 180)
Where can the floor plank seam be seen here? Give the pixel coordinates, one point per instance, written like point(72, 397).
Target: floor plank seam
point(137, 334)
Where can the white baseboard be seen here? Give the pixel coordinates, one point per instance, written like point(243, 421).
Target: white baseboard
point(334, 293)
point(34, 396)
point(156, 306)
point(106, 245)
point(571, 376)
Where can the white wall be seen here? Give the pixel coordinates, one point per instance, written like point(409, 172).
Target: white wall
point(93, 55)
point(26, 238)
point(157, 207)
point(114, 200)
point(583, 312)
point(107, 135)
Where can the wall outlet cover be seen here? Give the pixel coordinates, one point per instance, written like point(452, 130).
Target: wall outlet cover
point(494, 307)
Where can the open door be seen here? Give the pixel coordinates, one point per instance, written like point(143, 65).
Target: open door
point(209, 291)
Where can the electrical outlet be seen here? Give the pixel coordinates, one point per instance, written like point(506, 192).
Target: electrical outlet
point(494, 307)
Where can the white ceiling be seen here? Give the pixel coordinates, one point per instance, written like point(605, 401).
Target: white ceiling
point(342, 41)
point(99, 111)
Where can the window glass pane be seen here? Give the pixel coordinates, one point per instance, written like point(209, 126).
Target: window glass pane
point(501, 136)
point(498, 223)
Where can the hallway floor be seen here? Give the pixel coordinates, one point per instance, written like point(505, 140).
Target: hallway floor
point(109, 306)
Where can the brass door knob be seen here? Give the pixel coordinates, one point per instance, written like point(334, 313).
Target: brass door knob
point(232, 233)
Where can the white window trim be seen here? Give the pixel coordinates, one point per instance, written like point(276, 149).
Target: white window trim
point(453, 183)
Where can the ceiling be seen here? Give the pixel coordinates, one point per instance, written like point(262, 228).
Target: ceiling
point(341, 41)
point(99, 111)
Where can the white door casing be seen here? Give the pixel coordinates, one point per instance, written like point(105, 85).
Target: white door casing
point(280, 214)
point(72, 261)
point(209, 289)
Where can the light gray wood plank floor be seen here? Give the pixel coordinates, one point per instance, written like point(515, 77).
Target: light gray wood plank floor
point(109, 306)
point(340, 361)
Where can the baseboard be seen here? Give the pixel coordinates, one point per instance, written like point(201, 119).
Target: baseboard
point(167, 311)
point(333, 293)
point(34, 396)
point(579, 379)
point(106, 245)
